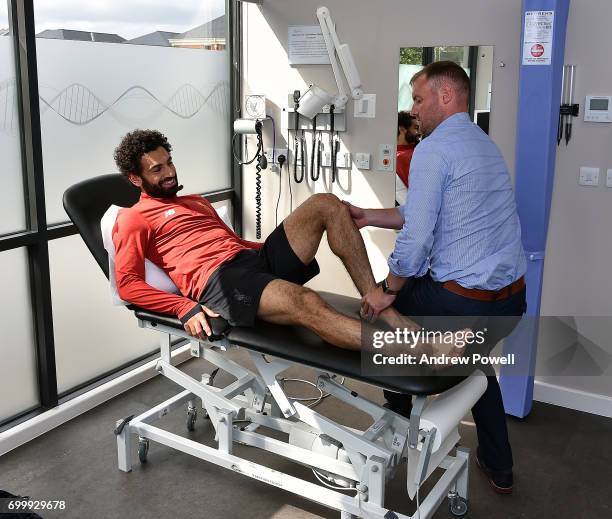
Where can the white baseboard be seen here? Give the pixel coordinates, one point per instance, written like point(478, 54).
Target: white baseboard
point(573, 398)
point(44, 422)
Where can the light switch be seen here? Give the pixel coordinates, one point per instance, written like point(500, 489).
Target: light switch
point(366, 106)
point(609, 178)
point(589, 177)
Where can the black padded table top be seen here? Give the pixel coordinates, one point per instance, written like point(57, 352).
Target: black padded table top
point(300, 345)
point(86, 203)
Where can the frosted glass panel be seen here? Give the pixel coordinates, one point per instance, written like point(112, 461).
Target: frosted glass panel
point(18, 378)
point(12, 211)
point(91, 335)
point(165, 73)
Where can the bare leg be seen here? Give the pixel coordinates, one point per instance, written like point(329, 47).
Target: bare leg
point(286, 303)
point(326, 213)
point(289, 304)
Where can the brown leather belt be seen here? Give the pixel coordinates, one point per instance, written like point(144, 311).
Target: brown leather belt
point(485, 295)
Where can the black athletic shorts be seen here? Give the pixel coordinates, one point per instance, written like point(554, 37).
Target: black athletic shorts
point(234, 289)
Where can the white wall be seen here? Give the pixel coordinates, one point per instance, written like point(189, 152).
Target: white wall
point(577, 274)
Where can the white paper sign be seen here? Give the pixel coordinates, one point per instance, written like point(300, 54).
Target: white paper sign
point(307, 46)
point(537, 37)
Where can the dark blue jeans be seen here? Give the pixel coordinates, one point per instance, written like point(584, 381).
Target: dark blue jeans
point(425, 297)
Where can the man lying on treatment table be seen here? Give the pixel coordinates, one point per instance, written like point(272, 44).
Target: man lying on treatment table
point(219, 273)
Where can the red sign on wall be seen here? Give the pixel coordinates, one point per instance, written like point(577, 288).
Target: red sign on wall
point(537, 50)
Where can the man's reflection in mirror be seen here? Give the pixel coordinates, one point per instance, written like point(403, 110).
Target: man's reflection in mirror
point(408, 136)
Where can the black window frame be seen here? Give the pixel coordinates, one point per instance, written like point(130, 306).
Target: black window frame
point(35, 239)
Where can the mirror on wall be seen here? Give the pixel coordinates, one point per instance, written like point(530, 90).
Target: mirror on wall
point(476, 60)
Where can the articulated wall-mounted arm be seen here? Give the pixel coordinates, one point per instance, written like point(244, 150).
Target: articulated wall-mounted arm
point(347, 63)
point(315, 98)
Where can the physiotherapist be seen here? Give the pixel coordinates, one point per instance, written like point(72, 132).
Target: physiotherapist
point(459, 250)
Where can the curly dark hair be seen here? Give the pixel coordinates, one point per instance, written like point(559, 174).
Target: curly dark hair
point(404, 119)
point(134, 145)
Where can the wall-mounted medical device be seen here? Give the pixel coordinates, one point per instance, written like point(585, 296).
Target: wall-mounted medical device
point(322, 110)
point(252, 127)
point(598, 109)
point(315, 98)
point(247, 127)
point(568, 110)
point(255, 106)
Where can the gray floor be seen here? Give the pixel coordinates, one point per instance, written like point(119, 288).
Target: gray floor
point(563, 466)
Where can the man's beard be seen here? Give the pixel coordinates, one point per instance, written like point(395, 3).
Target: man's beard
point(158, 191)
point(412, 139)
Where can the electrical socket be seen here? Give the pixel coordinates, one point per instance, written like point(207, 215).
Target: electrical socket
point(279, 151)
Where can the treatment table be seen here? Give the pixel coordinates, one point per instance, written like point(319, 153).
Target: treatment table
point(351, 466)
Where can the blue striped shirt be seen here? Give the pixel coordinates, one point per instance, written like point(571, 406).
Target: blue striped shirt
point(460, 216)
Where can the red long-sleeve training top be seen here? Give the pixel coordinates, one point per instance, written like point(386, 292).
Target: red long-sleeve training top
point(184, 236)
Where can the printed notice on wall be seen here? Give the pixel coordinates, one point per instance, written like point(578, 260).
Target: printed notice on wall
point(307, 46)
point(537, 38)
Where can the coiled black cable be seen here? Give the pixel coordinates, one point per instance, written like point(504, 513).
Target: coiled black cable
point(261, 164)
point(258, 201)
